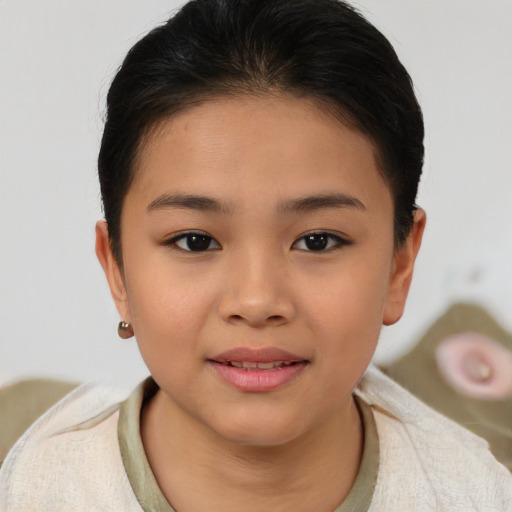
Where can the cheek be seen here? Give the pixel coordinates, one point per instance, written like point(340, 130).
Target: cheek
point(350, 297)
point(167, 306)
point(345, 316)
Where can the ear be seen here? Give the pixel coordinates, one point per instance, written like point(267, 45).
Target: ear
point(113, 271)
point(403, 266)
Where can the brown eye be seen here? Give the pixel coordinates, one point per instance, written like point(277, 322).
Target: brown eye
point(195, 242)
point(316, 242)
point(319, 242)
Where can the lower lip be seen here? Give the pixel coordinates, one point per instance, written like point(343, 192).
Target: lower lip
point(255, 380)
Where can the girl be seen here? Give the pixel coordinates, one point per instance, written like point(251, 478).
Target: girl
point(259, 169)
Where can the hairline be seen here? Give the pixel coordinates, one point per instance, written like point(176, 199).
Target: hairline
point(324, 105)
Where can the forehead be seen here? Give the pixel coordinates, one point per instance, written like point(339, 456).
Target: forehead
point(276, 145)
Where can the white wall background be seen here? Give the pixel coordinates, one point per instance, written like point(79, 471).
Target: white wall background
point(57, 58)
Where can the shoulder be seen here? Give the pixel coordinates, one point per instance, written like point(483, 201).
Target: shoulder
point(428, 459)
point(69, 456)
point(22, 402)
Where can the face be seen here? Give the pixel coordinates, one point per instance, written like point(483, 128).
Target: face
point(258, 265)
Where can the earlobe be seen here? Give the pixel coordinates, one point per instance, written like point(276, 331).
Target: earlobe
point(112, 270)
point(403, 267)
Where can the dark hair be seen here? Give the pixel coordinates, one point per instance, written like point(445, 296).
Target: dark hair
point(320, 49)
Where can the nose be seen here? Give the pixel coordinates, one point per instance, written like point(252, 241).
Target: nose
point(257, 291)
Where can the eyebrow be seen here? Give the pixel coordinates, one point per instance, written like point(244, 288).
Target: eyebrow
point(209, 204)
point(189, 202)
point(318, 202)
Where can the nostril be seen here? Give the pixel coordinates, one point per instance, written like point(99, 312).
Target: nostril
point(257, 320)
point(257, 309)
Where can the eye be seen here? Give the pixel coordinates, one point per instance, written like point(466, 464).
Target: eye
point(194, 242)
point(319, 242)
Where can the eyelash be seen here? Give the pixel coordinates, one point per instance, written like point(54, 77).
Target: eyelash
point(183, 236)
point(337, 240)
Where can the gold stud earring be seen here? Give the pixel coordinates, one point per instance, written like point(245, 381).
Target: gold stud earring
point(125, 330)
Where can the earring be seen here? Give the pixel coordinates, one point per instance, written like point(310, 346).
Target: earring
point(125, 330)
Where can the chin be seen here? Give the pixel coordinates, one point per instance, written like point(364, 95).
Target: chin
point(256, 432)
point(258, 439)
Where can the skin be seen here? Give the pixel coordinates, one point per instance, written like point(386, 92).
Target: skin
point(257, 285)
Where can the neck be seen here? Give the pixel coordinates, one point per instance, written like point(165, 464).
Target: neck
point(208, 472)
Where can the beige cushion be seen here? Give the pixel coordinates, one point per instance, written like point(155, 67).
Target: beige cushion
point(418, 371)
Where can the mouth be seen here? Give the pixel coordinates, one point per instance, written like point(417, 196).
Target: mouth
point(258, 365)
point(258, 370)
point(245, 357)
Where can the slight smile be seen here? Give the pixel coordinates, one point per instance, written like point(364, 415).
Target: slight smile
point(257, 370)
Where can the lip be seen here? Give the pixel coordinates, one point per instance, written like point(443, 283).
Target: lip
point(259, 355)
point(257, 380)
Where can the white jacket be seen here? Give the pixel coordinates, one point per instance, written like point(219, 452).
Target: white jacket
point(427, 462)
